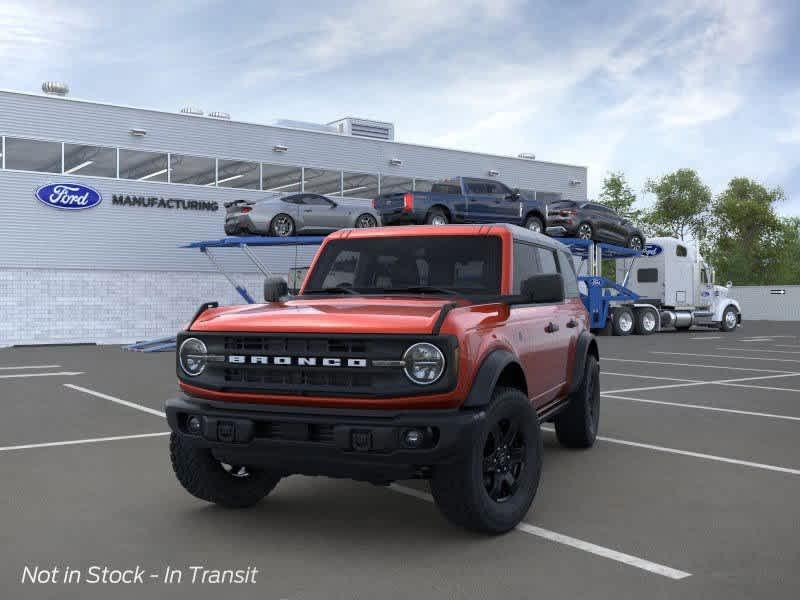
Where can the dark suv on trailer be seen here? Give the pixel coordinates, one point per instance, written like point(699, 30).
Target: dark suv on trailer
point(593, 221)
point(416, 352)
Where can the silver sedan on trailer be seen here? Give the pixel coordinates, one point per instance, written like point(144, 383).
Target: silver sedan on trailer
point(302, 213)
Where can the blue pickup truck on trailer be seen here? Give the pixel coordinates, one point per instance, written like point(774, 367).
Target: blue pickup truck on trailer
point(464, 200)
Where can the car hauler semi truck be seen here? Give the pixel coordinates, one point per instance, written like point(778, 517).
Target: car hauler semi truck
point(671, 280)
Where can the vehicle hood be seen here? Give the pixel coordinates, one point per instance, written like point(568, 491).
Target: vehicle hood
point(385, 314)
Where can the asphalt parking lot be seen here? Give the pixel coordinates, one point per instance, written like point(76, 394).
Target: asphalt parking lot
point(692, 491)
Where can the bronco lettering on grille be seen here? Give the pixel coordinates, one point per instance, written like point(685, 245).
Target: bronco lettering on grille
point(300, 361)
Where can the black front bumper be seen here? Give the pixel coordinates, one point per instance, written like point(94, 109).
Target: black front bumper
point(358, 444)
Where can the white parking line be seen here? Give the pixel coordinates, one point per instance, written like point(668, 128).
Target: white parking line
point(712, 457)
point(30, 367)
point(633, 561)
point(759, 350)
point(146, 409)
point(86, 441)
point(792, 360)
point(711, 337)
point(25, 375)
point(677, 364)
point(786, 345)
point(747, 413)
point(712, 382)
point(636, 375)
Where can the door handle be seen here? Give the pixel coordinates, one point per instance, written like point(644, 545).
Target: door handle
point(551, 327)
point(308, 210)
point(572, 323)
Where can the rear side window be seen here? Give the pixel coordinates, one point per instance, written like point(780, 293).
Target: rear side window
point(568, 272)
point(647, 275)
point(476, 188)
point(680, 251)
point(547, 260)
point(446, 188)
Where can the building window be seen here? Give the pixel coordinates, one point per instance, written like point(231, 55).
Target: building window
point(33, 155)
point(360, 185)
point(144, 166)
point(396, 185)
point(90, 160)
point(195, 170)
point(323, 181)
point(280, 178)
point(238, 174)
point(423, 185)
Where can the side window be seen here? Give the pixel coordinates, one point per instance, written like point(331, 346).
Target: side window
point(526, 264)
point(547, 260)
point(703, 276)
point(568, 272)
point(316, 200)
point(293, 199)
point(491, 188)
point(680, 251)
point(647, 275)
point(474, 187)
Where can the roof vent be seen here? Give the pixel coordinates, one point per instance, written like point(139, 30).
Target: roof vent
point(55, 88)
point(376, 130)
point(303, 125)
point(527, 155)
point(217, 114)
point(192, 110)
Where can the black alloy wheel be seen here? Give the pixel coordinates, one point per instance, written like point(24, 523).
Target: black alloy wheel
point(503, 460)
point(585, 231)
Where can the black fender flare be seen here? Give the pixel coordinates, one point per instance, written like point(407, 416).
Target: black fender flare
point(486, 377)
point(586, 344)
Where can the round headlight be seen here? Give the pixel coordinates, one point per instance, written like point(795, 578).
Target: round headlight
point(192, 357)
point(424, 363)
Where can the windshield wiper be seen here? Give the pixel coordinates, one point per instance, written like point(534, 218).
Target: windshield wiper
point(423, 289)
point(333, 290)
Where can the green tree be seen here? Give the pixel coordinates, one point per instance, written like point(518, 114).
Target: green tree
point(749, 243)
point(681, 205)
point(618, 195)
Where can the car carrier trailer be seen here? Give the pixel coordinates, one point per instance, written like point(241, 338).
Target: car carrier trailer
point(667, 285)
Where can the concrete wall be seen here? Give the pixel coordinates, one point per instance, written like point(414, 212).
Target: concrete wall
point(761, 303)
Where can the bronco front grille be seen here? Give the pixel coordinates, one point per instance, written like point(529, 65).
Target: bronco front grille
point(368, 380)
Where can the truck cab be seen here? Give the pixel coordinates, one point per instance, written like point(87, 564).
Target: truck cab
point(672, 276)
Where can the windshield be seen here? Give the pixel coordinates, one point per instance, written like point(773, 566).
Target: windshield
point(467, 265)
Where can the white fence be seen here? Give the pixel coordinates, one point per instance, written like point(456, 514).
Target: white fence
point(768, 302)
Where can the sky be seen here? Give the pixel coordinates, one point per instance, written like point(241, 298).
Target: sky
point(639, 87)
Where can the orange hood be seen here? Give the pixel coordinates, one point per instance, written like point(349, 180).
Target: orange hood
point(385, 314)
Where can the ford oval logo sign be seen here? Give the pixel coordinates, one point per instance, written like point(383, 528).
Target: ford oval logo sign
point(652, 250)
point(68, 196)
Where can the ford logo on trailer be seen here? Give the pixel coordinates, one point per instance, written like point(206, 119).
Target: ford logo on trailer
point(68, 196)
point(652, 250)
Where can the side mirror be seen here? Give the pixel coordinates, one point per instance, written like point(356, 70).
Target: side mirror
point(546, 287)
point(275, 288)
point(515, 194)
point(333, 204)
point(729, 285)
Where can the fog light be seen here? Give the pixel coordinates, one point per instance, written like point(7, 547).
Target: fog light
point(194, 425)
point(414, 438)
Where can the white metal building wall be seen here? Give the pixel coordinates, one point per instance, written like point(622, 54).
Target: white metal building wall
point(768, 303)
point(114, 273)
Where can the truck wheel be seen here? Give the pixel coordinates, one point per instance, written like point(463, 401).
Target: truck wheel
point(730, 319)
point(534, 224)
point(576, 425)
point(282, 225)
point(437, 216)
point(622, 322)
point(491, 489)
point(206, 478)
point(646, 321)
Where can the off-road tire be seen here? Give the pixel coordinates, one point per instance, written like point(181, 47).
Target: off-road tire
point(459, 489)
point(576, 425)
point(723, 326)
point(622, 315)
point(273, 223)
point(204, 477)
point(532, 221)
point(640, 326)
point(437, 214)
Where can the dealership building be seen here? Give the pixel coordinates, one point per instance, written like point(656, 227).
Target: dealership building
point(113, 271)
